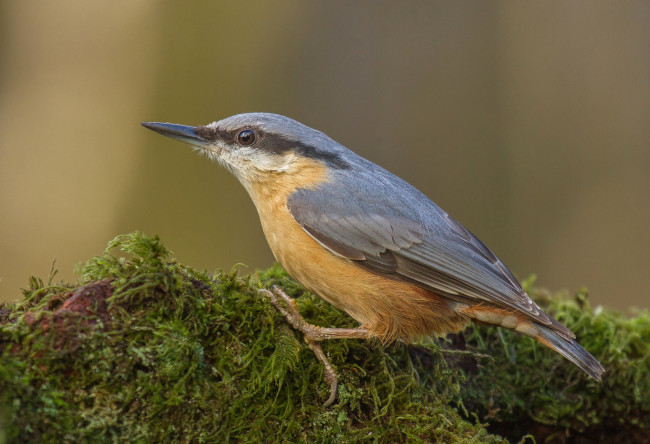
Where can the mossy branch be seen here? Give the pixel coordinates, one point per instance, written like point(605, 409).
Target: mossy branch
point(146, 349)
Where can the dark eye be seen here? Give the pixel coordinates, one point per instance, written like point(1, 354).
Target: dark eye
point(246, 137)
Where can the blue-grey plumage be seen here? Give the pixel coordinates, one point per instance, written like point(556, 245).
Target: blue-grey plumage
point(372, 228)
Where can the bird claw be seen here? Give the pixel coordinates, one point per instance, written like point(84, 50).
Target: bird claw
point(310, 332)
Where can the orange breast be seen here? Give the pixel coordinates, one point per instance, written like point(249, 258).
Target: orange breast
point(389, 309)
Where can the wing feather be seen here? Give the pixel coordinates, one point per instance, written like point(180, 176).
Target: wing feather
point(387, 226)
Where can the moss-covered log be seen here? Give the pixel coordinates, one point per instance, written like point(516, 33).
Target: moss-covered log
point(146, 349)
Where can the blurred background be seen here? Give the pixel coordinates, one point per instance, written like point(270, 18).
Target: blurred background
point(529, 122)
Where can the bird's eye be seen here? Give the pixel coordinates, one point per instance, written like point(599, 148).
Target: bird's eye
point(246, 137)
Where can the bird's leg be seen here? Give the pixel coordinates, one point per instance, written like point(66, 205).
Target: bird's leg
point(313, 334)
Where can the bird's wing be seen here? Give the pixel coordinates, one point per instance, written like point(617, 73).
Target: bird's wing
point(387, 226)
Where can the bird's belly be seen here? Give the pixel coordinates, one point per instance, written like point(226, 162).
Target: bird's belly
point(388, 308)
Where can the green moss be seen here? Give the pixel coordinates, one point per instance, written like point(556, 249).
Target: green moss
point(528, 387)
point(145, 349)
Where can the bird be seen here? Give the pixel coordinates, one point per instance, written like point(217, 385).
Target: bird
point(367, 242)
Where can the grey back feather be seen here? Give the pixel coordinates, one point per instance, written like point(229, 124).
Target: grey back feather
point(384, 224)
point(369, 216)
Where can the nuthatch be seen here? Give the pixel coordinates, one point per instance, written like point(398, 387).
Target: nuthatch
point(367, 242)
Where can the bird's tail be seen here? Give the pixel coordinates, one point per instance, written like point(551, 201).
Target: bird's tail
point(556, 336)
point(571, 350)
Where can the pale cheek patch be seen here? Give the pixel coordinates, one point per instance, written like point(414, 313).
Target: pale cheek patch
point(219, 155)
point(251, 162)
point(268, 162)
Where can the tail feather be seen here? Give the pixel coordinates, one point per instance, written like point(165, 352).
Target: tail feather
point(571, 350)
point(556, 336)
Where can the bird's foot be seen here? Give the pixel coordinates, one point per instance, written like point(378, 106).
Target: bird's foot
point(313, 334)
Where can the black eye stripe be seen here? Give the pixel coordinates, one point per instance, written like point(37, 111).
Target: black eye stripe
point(271, 143)
point(246, 137)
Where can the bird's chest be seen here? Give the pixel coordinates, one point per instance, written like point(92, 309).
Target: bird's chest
point(306, 260)
point(298, 252)
point(387, 308)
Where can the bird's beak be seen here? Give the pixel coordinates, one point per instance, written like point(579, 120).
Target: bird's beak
point(183, 133)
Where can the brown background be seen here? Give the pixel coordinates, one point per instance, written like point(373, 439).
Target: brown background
point(527, 121)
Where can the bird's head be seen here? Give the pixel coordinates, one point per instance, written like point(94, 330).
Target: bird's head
point(259, 147)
